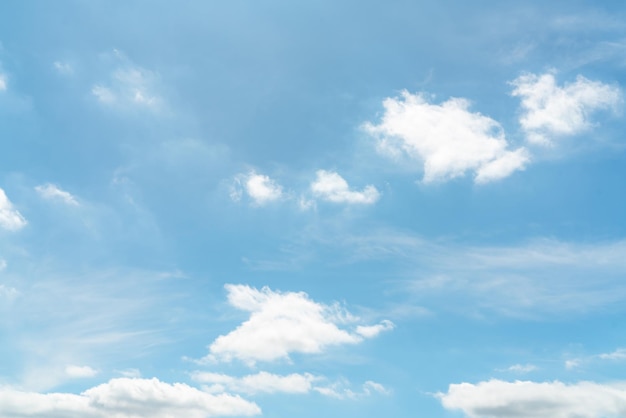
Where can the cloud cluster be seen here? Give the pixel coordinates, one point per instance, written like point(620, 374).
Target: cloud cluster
point(448, 140)
point(283, 323)
point(525, 399)
point(550, 111)
point(328, 186)
point(125, 398)
point(10, 218)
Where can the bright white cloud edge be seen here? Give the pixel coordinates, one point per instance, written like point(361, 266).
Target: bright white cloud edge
point(52, 192)
point(10, 218)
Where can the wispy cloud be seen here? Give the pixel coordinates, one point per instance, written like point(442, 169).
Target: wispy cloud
point(52, 192)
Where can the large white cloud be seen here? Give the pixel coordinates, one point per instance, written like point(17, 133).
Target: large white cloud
point(125, 398)
point(332, 187)
point(550, 111)
point(447, 138)
point(525, 399)
point(10, 218)
point(280, 324)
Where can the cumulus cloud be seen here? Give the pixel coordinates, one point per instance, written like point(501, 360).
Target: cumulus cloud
point(78, 372)
point(447, 138)
point(525, 399)
point(332, 187)
point(125, 398)
point(550, 111)
point(280, 324)
point(10, 218)
point(52, 192)
point(259, 187)
point(262, 382)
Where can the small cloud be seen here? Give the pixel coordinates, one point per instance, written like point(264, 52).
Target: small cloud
point(262, 382)
point(52, 192)
point(550, 111)
point(3, 82)
point(341, 390)
point(332, 187)
point(259, 187)
point(619, 354)
point(371, 331)
point(10, 218)
point(573, 363)
point(8, 293)
point(63, 68)
point(79, 372)
point(130, 373)
point(519, 368)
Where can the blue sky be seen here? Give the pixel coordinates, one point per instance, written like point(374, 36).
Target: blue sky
point(276, 208)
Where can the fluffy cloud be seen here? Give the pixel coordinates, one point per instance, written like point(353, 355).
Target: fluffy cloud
point(447, 138)
point(52, 192)
point(280, 324)
point(10, 218)
point(260, 188)
point(550, 111)
point(262, 382)
point(125, 398)
point(332, 187)
point(524, 399)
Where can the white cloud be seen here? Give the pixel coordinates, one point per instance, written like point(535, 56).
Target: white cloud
point(550, 111)
point(3, 82)
point(341, 390)
point(262, 382)
point(280, 324)
point(520, 368)
point(332, 187)
point(619, 354)
point(370, 331)
point(125, 398)
point(447, 138)
point(524, 399)
point(8, 293)
point(52, 192)
point(128, 86)
point(259, 187)
point(10, 218)
point(63, 68)
point(74, 371)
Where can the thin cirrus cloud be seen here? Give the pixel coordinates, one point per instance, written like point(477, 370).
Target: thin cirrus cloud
point(330, 186)
point(129, 85)
point(10, 218)
point(526, 399)
point(262, 382)
point(52, 192)
point(550, 111)
point(282, 323)
point(447, 138)
point(127, 398)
